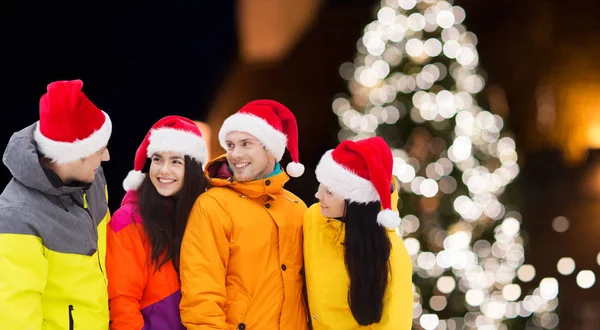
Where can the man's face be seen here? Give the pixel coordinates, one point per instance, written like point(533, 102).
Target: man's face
point(247, 157)
point(84, 170)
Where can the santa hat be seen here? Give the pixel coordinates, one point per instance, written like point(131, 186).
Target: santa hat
point(361, 172)
point(273, 124)
point(171, 133)
point(71, 127)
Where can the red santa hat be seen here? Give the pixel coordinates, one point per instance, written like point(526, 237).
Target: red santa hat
point(71, 127)
point(171, 133)
point(273, 124)
point(361, 172)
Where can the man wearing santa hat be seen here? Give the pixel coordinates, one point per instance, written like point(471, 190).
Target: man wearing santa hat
point(241, 255)
point(53, 216)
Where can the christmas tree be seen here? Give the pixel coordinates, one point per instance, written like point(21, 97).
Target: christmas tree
point(415, 81)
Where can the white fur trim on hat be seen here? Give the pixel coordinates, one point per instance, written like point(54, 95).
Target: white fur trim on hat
point(175, 140)
point(388, 219)
point(273, 140)
point(66, 152)
point(344, 182)
point(133, 180)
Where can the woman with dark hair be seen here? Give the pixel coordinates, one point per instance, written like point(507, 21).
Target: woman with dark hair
point(358, 272)
point(144, 235)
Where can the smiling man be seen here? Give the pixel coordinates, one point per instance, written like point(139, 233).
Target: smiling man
point(53, 216)
point(241, 255)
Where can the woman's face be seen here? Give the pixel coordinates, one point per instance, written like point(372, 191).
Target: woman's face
point(167, 171)
point(332, 205)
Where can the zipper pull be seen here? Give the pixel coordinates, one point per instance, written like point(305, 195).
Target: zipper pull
point(85, 205)
point(71, 322)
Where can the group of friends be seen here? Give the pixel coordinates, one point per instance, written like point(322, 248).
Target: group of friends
point(196, 243)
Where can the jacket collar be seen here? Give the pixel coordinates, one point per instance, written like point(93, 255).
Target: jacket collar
point(218, 174)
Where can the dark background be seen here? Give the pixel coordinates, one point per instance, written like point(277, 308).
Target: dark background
point(138, 61)
point(141, 61)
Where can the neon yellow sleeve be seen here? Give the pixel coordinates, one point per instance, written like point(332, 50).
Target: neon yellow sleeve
point(23, 274)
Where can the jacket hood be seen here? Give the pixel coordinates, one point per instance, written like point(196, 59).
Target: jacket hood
point(22, 159)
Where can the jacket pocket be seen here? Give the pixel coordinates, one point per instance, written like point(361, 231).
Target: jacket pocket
point(238, 307)
point(71, 323)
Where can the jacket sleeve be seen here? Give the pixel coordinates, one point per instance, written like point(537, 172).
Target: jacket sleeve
point(398, 300)
point(204, 260)
point(127, 272)
point(102, 232)
point(23, 275)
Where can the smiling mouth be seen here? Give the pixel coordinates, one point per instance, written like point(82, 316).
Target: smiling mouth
point(240, 165)
point(323, 206)
point(165, 181)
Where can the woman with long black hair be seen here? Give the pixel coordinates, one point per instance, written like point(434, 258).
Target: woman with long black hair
point(144, 235)
point(358, 272)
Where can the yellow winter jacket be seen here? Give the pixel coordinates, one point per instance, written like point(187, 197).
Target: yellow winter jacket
point(327, 279)
point(52, 246)
point(241, 255)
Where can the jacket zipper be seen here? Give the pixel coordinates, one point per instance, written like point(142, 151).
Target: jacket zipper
point(87, 210)
point(305, 299)
point(71, 323)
